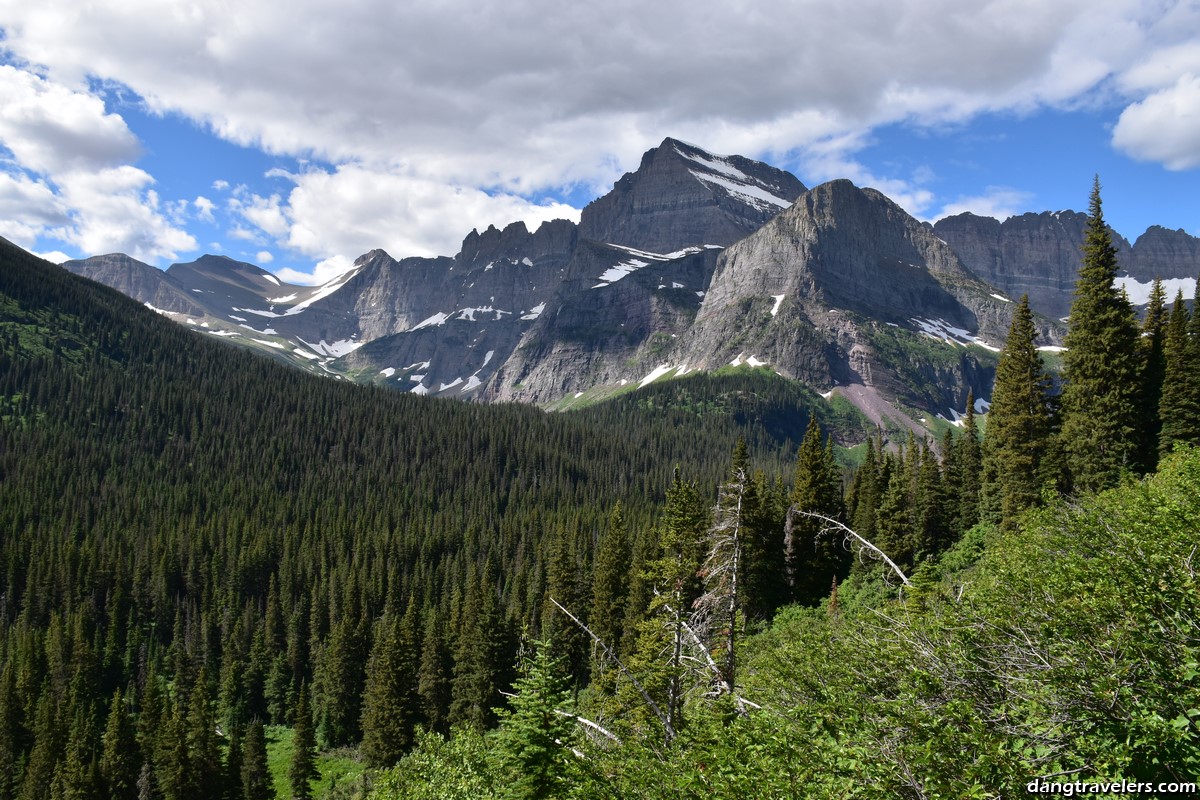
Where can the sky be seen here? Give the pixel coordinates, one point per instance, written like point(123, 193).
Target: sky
point(300, 135)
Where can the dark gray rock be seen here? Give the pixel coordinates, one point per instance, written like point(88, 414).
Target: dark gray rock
point(681, 196)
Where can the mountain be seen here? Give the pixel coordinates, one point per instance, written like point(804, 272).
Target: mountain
point(693, 262)
point(1039, 255)
point(682, 196)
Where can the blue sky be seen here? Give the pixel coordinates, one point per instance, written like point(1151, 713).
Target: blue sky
point(299, 136)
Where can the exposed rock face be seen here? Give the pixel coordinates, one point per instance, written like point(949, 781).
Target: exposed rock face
point(138, 280)
point(817, 292)
point(682, 196)
point(1040, 254)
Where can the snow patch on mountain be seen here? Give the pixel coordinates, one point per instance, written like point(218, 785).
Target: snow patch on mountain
point(778, 303)
point(534, 312)
point(336, 349)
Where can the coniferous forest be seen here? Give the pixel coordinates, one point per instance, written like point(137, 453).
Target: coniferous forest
point(222, 578)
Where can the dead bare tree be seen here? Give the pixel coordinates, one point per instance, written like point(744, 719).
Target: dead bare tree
point(715, 614)
point(861, 546)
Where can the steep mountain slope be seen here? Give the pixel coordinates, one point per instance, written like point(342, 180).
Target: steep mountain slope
point(846, 289)
point(1039, 254)
point(682, 196)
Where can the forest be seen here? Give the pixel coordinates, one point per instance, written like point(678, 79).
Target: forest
point(226, 579)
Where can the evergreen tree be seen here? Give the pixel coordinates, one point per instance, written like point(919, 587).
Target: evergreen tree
point(1179, 406)
point(10, 725)
point(303, 769)
point(119, 761)
point(610, 580)
point(813, 559)
point(1100, 367)
point(433, 680)
point(255, 776)
point(204, 760)
point(391, 704)
point(533, 742)
point(1019, 424)
point(1154, 371)
point(338, 683)
point(968, 464)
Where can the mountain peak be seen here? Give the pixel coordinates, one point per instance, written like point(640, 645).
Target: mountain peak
point(684, 196)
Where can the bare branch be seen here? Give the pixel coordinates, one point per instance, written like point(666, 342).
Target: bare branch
point(668, 728)
point(833, 525)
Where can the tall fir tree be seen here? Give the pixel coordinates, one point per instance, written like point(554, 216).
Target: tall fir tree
point(120, 760)
point(391, 704)
point(1100, 367)
point(255, 775)
point(1154, 372)
point(610, 583)
point(433, 679)
point(1019, 424)
point(535, 735)
point(1179, 406)
point(813, 558)
point(303, 768)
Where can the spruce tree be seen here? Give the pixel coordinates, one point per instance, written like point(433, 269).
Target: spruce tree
point(433, 679)
point(255, 776)
point(1100, 367)
point(303, 769)
point(610, 581)
point(533, 742)
point(391, 704)
point(1154, 371)
point(1179, 406)
point(1019, 425)
point(119, 759)
point(814, 559)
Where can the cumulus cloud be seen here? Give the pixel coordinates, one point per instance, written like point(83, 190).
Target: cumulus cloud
point(67, 176)
point(1000, 202)
point(1165, 127)
point(323, 272)
point(434, 118)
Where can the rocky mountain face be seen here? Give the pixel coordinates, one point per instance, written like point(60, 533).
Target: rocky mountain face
point(1039, 255)
point(693, 262)
point(682, 196)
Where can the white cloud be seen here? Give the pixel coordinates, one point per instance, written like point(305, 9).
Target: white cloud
point(323, 272)
point(441, 117)
point(204, 208)
point(1000, 202)
point(352, 209)
point(116, 211)
point(264, 257)
point(1165, 127)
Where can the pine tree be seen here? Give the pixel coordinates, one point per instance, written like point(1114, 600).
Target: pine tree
point(433, 680)
point(814, 559)
point(119, 761)
point(1019, 424)
point(1100, 367)
point(1154, 372)
point(303, 769)
point(610, 581)
point(1179, 406)
point(968, 462)
point(391, 704)
point(255, 776)
point(533, 742)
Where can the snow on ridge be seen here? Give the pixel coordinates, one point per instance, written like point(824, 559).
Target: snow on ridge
point(473, 382)
point(272, 279)
point(437, 319)
point(1001, 297)
point(305, 354)
point(655, 374)
point(287, 298)
point(450, 385)
point(751, 361)
point(418, 365)
point(778, 303)
point(324, 291)
point(535, 312)
point(618, 271)
point(276, 345)
point(752, 193)
point(716, 164)
point(387, 372)
point(336, 349)
point(943, 331)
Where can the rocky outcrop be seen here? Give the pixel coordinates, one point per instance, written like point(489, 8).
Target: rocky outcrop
point(139, 281)
point(1040, 254)
point(682, 196)
point(838, 288)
